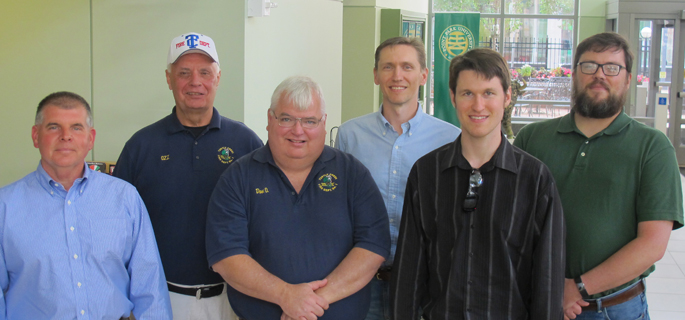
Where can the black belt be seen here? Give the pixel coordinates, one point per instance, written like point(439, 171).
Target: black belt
point(199, 293)
point(384, 273)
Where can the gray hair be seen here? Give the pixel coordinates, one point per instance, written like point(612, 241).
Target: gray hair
point(300, 90)
point(64, 100)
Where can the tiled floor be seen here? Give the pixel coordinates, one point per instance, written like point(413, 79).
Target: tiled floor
point(666, 285)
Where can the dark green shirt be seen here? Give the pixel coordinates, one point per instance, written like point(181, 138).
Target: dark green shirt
point(623, 175)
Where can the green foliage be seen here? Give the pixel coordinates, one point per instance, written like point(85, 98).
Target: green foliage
point(526, 71)
point(515, 6)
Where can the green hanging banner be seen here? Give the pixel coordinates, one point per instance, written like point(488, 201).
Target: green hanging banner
point(455, 33)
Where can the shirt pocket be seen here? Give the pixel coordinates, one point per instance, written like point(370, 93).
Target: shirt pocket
point(110, 238)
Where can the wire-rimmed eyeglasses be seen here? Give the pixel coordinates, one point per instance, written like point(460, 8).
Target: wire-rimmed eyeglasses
point(609, 69)
point(475, 181)
point(289, 122)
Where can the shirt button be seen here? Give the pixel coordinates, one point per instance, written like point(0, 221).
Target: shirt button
point(78, 284)
point(293, 193)
point(69, 202)
point(472, 227)
point(393, 196)
point(582, 154)
point(586, 142)
point(52, 192)
point(56, 185)
point(410, 134)
point(72, 228)
point(394, 172)
point(470, 254)
point(195, 142)
point(82, 312)
point(197, 157)
point(397, 147)
point(392, 220)
point(75, 256)
point(383, 133)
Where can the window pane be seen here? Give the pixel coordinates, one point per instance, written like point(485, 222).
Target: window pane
point(539, 6)
point(539, 52)
point(489, 33)
point(482, 6)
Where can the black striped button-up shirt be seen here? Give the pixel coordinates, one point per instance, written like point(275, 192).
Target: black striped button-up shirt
point(504, 260)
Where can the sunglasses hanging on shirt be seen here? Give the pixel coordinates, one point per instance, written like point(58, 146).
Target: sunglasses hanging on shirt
point(475, 181)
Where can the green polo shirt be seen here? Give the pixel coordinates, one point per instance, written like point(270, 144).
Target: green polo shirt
point(608, 183)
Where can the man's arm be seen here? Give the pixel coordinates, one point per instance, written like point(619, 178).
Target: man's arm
point(408, 284)
point(247, 276)
point(549, 257)
point(626, 264)
point(351, 275)
point(148, 288)
point(4, 276)
point(339, 142)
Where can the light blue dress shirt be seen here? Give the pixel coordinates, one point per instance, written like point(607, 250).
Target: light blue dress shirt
point(89, 253)
point(390, 156)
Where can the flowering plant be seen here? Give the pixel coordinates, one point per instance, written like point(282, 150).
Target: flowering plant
point(560, 72)
point(641, 78)
point(526, 70)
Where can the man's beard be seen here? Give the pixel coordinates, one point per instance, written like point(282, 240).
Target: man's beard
point(587, 107)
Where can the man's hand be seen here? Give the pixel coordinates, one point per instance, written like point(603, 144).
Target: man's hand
point(573, 301)
point(301, 302)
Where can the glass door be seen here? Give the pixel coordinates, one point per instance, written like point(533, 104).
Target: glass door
point(658, 78)
point(678, 95)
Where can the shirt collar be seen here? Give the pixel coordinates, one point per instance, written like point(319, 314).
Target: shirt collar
point(504, 158)
point(410, 125)
point(175, 126)
point(567, 124)
point(264, 155)
point(49, 184)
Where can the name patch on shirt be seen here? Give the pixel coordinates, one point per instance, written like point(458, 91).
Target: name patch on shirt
point(261, 191)
point(327, 182)
point(225, 155)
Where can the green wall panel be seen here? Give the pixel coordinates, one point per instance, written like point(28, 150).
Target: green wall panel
point(43, 52)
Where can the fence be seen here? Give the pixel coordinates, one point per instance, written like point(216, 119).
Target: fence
point(539, 53)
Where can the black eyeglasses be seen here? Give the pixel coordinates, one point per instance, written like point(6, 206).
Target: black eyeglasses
point(609, 69)
point(475, 181)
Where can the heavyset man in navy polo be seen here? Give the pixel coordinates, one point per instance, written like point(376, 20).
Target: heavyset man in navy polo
point(297, 229)
point(175, 163)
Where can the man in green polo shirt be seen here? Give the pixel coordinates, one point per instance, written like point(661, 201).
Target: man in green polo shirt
point(619, 185)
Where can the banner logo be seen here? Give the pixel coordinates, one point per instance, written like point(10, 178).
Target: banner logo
point(225, 155)
point(327, 182)
point(455, 40)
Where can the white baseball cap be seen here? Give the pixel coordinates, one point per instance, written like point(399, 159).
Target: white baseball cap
point(189, 43)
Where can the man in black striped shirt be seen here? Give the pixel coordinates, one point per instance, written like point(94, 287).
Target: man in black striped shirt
point(482, 232)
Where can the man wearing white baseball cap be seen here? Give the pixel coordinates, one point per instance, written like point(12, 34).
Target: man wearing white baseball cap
point(175, 163)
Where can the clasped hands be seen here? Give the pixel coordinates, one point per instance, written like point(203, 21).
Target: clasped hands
point(301, 302)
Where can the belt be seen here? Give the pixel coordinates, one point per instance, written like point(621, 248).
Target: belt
point(384, 273)
point(617, 299)
point(200, 292)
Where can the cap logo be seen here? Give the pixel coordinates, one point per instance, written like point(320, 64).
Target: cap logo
point(191, 40)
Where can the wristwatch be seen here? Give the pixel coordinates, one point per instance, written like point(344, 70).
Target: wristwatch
point(581, 287)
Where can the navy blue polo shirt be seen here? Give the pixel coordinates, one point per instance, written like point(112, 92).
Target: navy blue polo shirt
point(299, 238)
point(175, 174)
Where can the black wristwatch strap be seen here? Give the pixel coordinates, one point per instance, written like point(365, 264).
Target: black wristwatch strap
point(581, 287)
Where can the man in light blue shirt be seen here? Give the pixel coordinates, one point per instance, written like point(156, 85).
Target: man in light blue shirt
point(389, 141)
point(75, 243)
